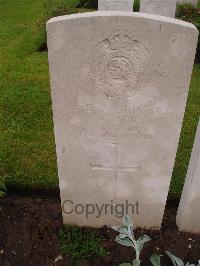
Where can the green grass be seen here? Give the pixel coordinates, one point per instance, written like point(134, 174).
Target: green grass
point(27, 149)
point(187, 135)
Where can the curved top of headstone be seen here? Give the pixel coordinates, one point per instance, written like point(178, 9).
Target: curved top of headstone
point(151, 17)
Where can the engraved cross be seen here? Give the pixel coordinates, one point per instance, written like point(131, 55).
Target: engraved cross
point(115, 168)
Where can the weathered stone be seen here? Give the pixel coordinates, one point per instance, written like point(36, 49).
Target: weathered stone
point(115, 5)
point(119, 88)
point(187, 217)
point(165, 8)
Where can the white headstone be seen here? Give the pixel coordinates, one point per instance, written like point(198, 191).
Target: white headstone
point(165, 8)
point(119, 87)
point(115, 5)
point(188, 213)
point(192, 2)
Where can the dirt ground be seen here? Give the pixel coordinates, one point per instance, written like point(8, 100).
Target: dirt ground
point(29, 227)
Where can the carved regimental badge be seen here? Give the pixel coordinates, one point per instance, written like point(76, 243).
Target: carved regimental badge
point(118, 64)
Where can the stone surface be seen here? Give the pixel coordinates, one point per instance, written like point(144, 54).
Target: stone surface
point(119, 87)
point(192, 2)
point(188, 212)
point(115, 5)
point(159, 7)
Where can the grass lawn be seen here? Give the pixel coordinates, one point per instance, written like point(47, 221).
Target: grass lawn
point(187, 134)
point(27, 149)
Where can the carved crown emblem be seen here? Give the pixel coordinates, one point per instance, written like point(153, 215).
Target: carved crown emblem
point(118, 64)
point(121, 42)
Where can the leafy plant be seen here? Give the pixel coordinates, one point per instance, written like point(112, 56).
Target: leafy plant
point(189, 13)
point(136, 6)
point(79, 243)
point(176, 261)
point(2, 187)
point(126, 238)
point(155, 260)
point(185, 10)
point(88, 3)
point(53, 8)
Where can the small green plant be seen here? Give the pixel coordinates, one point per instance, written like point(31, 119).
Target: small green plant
point(79, 243)
point(126, 238)
point(155, 260)
point(189, 13)
point(178, 262)
point(53, 8)
point(136, 6)
point(185, 10)
point(87, 3)
point(2, 187)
